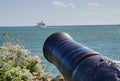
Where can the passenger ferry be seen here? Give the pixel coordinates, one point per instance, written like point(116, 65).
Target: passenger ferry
point(41, 24)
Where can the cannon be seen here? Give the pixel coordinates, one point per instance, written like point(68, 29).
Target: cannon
point(77, 62)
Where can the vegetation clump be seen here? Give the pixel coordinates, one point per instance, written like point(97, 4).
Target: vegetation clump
point(17, 63)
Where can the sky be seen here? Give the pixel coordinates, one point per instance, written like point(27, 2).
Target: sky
point(59, 12)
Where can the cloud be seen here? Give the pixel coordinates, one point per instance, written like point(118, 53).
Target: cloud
point(94, 9)
point(115, 12)
point(94, 4)
point(103, 12)
point(72, 5)
point(59, 4)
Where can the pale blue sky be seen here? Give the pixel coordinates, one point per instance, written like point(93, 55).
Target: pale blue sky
point(59, 12)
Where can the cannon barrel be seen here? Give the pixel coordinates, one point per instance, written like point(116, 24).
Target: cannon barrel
point(77, 62)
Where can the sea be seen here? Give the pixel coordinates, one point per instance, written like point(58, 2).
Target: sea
point(104, 39)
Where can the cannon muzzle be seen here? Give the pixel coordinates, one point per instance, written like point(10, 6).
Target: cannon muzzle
point(77, 62)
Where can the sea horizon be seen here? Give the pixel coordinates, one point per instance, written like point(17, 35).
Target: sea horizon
point(60, 25)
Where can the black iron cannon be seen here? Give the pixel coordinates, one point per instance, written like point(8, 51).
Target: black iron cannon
point(77, 62)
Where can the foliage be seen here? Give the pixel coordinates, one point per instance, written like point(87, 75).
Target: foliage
point(17, 63)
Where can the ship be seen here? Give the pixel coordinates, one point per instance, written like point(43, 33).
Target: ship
point(41, 24)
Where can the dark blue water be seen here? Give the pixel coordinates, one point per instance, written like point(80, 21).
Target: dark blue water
point(102, 38)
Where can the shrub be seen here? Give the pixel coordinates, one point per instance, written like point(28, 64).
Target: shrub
point(17, 63)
